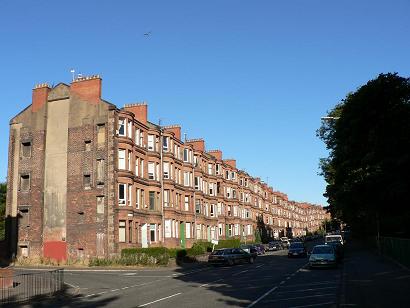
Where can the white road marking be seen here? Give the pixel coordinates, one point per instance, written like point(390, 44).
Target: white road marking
point(158, 300)
point(269, 292)
point(259, 265)
point(244, 271)
point(205, 284)
point(114, 290)
point(262, 297)
point(71, 285)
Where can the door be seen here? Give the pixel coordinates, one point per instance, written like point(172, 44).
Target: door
point(144, 238)
point(182, 234)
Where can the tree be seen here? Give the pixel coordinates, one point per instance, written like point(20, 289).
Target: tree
point(3, 191)
point(367, 171)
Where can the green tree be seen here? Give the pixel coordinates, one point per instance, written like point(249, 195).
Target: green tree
point(368, 168)
point(3, 191)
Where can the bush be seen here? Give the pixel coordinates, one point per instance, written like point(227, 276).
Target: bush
point(196, 249)
point(151, 251)
point(230, 243)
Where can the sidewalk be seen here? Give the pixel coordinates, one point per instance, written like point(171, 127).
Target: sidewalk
point(370, 280)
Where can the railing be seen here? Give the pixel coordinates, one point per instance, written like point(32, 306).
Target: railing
point(396, 248)
point(22, 287)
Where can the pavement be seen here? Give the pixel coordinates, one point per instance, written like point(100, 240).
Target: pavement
point(363, 280)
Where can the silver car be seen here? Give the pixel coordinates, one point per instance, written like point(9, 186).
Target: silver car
point(323, 256)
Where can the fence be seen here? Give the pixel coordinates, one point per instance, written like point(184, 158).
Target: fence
point(396, 248)
point(22, 287)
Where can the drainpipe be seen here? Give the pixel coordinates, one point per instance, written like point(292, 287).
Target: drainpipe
point(162, 180)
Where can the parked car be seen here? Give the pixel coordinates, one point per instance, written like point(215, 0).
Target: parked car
point(285, 242)
point(230, 256)
point(338, 249)
point(275, 245)
point(297, 249)
point(251, 249)
point(260, 248)
point(323, 256)
point(331, 238)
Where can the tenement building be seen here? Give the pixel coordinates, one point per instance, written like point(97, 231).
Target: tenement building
point(87, 179)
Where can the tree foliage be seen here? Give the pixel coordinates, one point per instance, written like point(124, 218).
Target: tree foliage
point(368, 168)
point(3, 191)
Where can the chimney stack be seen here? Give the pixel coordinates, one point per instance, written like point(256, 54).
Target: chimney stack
point(140, 111)
point(40, 96)
point(87, 88)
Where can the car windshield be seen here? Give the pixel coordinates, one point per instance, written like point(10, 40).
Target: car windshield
point(322, 250)
point(221, 252)
point(333, 238)
point(296, 245)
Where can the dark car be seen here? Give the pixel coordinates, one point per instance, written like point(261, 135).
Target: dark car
point(297, 249)
point(260, 248)
point(251, 249)
point(275, 245)
point(230, 256)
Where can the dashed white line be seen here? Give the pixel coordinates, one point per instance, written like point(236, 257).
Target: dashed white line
point(244, 271)
point(262, 297)
point(160, 299)
point(205, 284)
point(114, 290)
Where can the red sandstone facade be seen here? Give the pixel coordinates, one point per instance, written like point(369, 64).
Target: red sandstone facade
point(88, 179)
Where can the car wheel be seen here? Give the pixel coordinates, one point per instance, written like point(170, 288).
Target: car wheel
point(230, 262)
point(251, 260)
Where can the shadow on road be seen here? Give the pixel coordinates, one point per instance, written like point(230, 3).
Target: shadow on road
point(64, 298)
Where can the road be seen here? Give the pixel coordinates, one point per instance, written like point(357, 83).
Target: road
point(272, 281)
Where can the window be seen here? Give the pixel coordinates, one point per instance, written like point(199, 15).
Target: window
point(197, 181)
point(87, 181)
point(129, 200)
point(137, 136)
point(121, 159)
point(26, 149)
point(227, 174)
point(121, 127)
point(165, 145)
point(25, 182)
point(121, 194)
point(186, 179)
point(142, 168)
point(233, 175)
point(129, 231)
point(137, 198)
point(168, 228)
point(152, 200)
point(188, 230)
point(100, 204)
point(129, 160)
point(100, 171)
point(210, 169)
point(150, 142)
point(211, 189)
point(213, 210)
point(129, 129)
point(23, 218)
point(166, 170)
point(143, 204)
point(197, 207)
point(137, 162)
point(121, 231)
point(166, 197)
point(186, 155)
point(217, 169)
point(186, 204)
point(87, 145)
point(220, 229)
point(153, 232)
point(151, 171)
point(100, 135)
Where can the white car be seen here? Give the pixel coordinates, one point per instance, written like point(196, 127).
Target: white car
point(323, 256)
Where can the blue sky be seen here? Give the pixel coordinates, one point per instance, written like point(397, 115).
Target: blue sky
point(252, 78)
